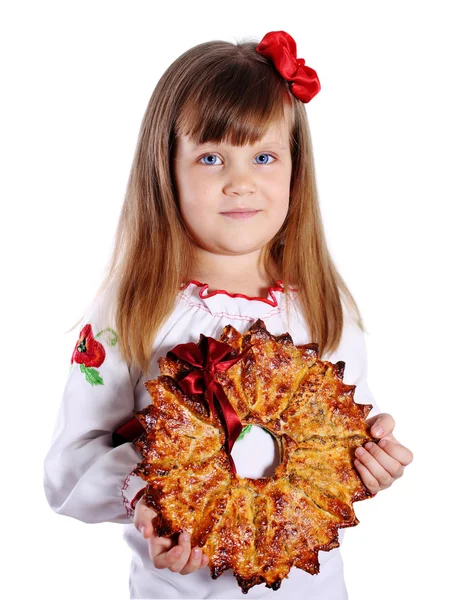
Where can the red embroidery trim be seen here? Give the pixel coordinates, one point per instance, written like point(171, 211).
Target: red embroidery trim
point(137, 497)
point(272, 302)
point(228, 315)
point(125, 500)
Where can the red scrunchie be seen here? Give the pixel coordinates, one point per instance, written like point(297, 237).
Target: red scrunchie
point(280, 47)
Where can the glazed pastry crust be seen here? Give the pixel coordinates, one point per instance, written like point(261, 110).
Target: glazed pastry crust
point(259, 528)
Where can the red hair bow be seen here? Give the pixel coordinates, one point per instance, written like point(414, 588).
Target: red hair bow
point(280, 47)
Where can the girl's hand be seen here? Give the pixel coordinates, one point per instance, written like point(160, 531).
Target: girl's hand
point(380, 464)
point(164, 553)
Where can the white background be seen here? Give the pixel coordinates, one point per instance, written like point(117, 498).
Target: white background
point(76, 80)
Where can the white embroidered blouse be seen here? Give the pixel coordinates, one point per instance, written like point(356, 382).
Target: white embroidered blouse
point(85, 477)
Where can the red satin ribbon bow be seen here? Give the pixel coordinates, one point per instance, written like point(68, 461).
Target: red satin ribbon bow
point(280, 47)
point(210, 360)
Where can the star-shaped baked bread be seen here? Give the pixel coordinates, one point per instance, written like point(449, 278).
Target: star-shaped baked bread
point(259, 528)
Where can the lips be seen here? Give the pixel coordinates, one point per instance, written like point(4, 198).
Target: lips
point(242, 209)
point(241, 213)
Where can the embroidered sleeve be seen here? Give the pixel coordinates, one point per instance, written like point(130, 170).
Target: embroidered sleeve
point(85, 476)
point(353, 351)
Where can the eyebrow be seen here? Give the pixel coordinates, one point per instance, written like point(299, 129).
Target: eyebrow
point(260, 143)
point(196, 146)
point(272, 145)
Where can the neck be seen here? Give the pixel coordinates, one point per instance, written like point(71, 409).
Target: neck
point(244, 274)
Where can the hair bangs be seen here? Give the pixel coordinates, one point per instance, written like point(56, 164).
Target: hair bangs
point(236, 106)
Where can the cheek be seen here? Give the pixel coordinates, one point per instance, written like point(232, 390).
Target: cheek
point(277, 187)
point(193, 207)
point(196, 216)
point(280, 200)
point(191, 217)
point(194, 194)
point(279, 211)
point(188, 202)
point(281, 214)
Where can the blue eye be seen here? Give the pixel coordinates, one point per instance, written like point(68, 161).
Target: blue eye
point(212, 159)
point(212, 156)
point(265, 156)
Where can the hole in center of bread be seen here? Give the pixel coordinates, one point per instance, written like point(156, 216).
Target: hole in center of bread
point(257, 454)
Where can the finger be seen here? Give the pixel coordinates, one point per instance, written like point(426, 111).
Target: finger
point(388, 462)
point(175, 558)
point(369, 481)
point(195, 561)
point(204, 561)
point(143, 518)
point(397, 451)
point(158, 545)
point(381, 425)
point(162, 557)
point(377, 471)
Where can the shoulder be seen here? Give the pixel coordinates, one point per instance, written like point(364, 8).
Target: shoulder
point(96, 330)
point(97, 349)
point(352, 350)
point(101, 310)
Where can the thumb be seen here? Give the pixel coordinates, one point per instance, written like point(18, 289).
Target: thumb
point(143, 518)
point(146, 523)
point(381, 425)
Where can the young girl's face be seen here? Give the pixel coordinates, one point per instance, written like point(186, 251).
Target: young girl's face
point(234, 199)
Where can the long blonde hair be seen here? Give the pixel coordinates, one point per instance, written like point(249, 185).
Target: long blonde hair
point(216, 91)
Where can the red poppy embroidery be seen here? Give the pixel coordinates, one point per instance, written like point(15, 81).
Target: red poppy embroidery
point(90, 353)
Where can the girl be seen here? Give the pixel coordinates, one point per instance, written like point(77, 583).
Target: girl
point(220, 225)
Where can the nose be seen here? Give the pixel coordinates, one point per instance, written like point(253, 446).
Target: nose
point(240, 180)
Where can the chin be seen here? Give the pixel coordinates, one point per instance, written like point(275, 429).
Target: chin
point(237, 249)
point(233, 244)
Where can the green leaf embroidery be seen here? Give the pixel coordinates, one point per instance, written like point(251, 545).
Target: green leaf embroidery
point(244, 431)
point(109, 336)
point(92, 375)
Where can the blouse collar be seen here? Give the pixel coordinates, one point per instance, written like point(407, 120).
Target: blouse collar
point(225, 303)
